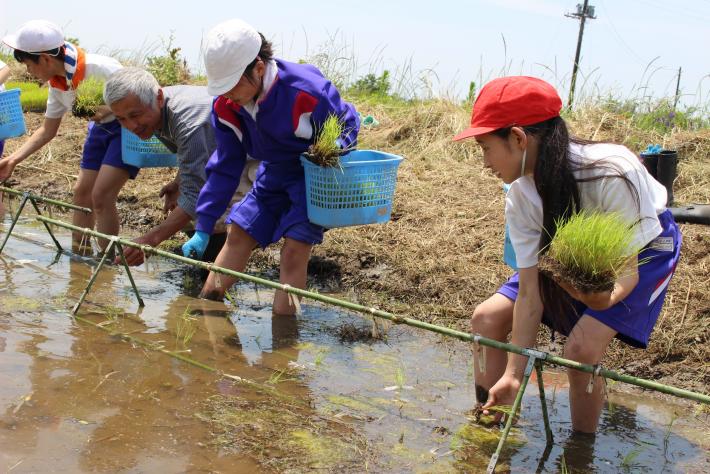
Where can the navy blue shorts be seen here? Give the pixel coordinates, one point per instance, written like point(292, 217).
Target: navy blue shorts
point(276, 206)
point(103, 147)
point(634, 317)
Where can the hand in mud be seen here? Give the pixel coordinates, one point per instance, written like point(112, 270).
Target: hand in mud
point(598, 301)
point(133, 255)
point(7, 166)
point(170, 192)
point(501, 394)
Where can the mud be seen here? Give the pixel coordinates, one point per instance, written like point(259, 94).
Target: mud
point(76, 399)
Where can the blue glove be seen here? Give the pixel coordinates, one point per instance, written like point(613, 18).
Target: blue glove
point(196, 246)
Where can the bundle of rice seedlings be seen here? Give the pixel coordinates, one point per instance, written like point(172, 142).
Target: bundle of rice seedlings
point(89, 97)
point(590, 251)
point(325, 151)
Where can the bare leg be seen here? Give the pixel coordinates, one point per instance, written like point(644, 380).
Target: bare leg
point(108, 184)
point(587, 343)
point(294, 266)
point(82, 197)
point(492, 319)
point(234, 255)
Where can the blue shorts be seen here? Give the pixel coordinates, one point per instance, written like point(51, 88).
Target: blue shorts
point(276, 206)
point(103, 147)
point(634, 317)
point(2, 147)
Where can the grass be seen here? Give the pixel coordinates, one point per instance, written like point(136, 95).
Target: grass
point(32, 97)
point(284, 435)
point(185, 329)
point(592, 249)
point(89, 97)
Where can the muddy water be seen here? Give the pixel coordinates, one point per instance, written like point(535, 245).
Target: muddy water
point(74, 398)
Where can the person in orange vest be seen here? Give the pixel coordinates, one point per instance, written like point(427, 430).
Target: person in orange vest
point(41, 47)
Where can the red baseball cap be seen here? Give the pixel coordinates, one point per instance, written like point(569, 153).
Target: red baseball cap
point(512, 101)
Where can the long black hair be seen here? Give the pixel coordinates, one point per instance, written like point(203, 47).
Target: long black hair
point(558, 188)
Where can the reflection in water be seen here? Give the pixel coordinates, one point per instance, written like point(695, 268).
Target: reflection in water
point(74, 399)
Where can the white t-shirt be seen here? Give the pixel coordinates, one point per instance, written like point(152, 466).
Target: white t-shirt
point(2, 66)
point(523, 205)
point(99, 67)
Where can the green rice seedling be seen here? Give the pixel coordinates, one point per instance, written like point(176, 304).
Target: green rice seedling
point(590, 250)
point(186, 328)
point(89, 97)
point(563, 464)
point(629, 461)
point(325, 151)
point(320, 357)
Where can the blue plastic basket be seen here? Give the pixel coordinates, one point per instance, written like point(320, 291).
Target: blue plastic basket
point(149, 153)
point(358, 192)
point(12, 121)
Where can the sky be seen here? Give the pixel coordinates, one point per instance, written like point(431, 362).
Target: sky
point(633, 48)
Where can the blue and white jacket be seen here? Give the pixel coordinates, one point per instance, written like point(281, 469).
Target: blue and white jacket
point(280, 127)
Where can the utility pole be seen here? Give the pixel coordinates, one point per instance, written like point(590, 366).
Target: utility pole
point(677, 89)
point(583, 12)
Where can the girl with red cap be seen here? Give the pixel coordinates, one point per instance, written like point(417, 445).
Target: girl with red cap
point(525, 142)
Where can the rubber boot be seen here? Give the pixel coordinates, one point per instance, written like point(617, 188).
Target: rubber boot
point(667, 169)
point(650, 161)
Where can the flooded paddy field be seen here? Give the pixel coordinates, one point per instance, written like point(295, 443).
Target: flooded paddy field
point(315, 392)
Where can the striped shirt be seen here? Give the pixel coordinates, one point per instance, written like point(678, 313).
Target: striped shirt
point(187, 131)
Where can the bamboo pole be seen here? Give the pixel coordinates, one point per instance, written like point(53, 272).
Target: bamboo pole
point(543, 402)
point(542, 356)
point(14, 221)
point(509, 421)
point(45, 200)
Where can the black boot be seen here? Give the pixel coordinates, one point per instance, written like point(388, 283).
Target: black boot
point(650, 161)
point(667, 168)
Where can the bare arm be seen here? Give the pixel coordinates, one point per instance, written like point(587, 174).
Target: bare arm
point(623, 287)
point(527, 315)
point(43, 135)
point(4, 74)
point(175, 221)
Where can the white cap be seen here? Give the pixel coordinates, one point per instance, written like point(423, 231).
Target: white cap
point(36, 36)
point(229, 48)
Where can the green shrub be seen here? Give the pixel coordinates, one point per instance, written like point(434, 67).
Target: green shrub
point(371, 84)
point(169, 69)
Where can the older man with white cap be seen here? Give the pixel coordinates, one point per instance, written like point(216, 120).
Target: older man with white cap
point(270, 110)
point(40, 46)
